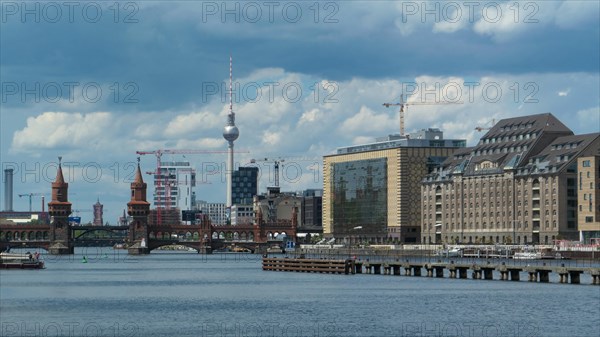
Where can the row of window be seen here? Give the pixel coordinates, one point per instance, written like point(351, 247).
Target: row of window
point(565, 146)
point(484, 225)
point(470, 185)
point(498, 239)
point(485, 214)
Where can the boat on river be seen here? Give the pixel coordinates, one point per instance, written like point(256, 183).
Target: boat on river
point(20, 261)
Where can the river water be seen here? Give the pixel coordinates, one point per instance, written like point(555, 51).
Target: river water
point(187, 294)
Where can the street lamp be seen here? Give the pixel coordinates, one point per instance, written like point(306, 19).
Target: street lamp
point(354, 229)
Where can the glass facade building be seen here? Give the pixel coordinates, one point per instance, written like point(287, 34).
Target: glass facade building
point(244, 185)
point(359, 198)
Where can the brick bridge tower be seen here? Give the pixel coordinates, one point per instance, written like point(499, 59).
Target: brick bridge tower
point(138, 208)
point(59, 209)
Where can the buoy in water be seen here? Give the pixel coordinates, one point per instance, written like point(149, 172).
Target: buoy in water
point(84, 260)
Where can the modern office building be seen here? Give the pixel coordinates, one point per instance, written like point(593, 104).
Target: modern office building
point(174, 186)
point(372, 192)
point(242, 214)
point(588, 194)
point(517, 185)
point(216, 211)
point(312, 208)
point(244, 185)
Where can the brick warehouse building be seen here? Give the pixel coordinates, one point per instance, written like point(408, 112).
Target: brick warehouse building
point(519, 184)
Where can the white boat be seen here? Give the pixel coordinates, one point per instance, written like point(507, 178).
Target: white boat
point(452, 252)
point(20, 261)
point(527, 255)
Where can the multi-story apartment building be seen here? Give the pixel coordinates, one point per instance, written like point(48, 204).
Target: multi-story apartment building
point(588, 194)
point(372, 192)
point(517, 185)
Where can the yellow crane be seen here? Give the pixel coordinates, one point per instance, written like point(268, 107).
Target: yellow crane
point(404, 106)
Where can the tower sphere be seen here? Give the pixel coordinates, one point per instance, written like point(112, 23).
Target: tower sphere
point(231, 133)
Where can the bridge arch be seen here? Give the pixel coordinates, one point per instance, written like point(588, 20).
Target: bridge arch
point(99, 229)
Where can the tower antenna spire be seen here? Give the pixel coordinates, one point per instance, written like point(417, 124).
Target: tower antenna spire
point(230, 84)
point(230, 133)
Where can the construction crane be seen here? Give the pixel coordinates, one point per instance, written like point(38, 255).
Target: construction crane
point(279, 161)
point(404, 106)
point(491, 125)
point(31, 195)
point(158, 153)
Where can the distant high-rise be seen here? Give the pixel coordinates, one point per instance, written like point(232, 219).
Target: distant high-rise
point(230, 133)
point(244, 185)
point(98, 212)
point(8, 190)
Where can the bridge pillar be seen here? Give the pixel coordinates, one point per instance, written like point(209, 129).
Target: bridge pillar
point(59, 209)
point(574, 274)
point(544, 276)
point(488, 273)
point(138, 208)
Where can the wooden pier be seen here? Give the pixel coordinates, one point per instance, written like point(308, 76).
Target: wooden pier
point(478, 271)
point(310, 265)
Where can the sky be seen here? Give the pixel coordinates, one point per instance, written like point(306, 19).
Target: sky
point(94, 82)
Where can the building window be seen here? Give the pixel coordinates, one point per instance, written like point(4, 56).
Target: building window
point(586, 163)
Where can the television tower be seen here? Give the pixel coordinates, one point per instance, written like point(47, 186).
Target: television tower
point(230, 133)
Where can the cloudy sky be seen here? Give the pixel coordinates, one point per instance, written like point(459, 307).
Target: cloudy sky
point(95, 81)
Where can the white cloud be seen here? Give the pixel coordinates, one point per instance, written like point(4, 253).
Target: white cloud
point(192, 123)
point(311, 116)
point(366, 120)
point(271, 138)
point(66, 130)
